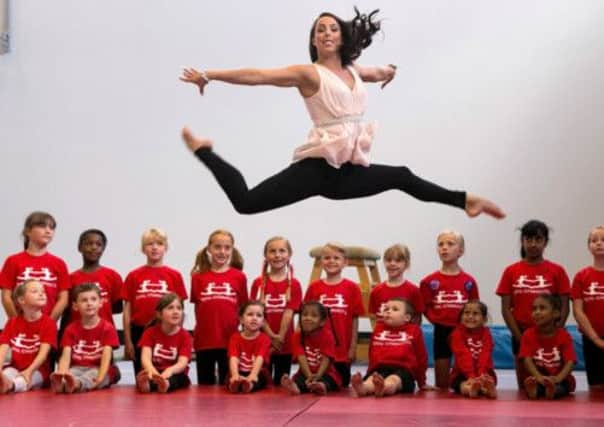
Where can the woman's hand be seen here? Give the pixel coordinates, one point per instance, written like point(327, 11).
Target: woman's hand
point(390, 74)
point(191, 75)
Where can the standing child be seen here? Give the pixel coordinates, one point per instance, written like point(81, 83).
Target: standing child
point(281, 295)
point(472, 345)
point(86, 360)
point(524, 280)
point(35, 262)
point(218, 289)
point(588, 308)
point(91, 245)
point(249, 351)
point(548, 352)
point(314, 348)
point(144, 287)
point(444, 293)
point(397, 354)
point(343, 299)
point(30, 337)
point(397, 260)
point(166, 349)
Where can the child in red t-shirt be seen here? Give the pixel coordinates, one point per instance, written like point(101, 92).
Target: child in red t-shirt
point(397, 259)
point(472, 345)
point(91, 245)
point(30, 336)
point(397, 354)
point(281, 295)
point(547, 351)
point(522, 281)
point(343, 299)
point(86, 359)
point(144, 287)
point(249, 351)
point(444, 293)
point(35, 262)
point(166, 349)
point(218, 289)
point(588, 307)
point(314, 348)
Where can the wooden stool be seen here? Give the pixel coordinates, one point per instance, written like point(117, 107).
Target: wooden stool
point(365, 261)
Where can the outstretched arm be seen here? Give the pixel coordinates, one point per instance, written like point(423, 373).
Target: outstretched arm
point(376, 74)
point(304, 77)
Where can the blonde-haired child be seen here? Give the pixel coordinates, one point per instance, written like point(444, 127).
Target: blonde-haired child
point(444, 293)
point(30, 336)
point(218, 289)
point(144, 287)
point(397, 259)
point(281, 295)
point(343, 299)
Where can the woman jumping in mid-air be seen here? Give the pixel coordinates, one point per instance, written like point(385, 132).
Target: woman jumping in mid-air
point(334, 163)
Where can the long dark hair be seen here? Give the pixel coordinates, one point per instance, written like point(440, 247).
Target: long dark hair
point(357, 35)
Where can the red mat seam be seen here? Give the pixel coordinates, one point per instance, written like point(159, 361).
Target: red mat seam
point(301, 412)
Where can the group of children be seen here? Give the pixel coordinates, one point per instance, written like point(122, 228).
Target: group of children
point(247, 342)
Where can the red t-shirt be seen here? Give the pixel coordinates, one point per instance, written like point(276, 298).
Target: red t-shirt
point(275, 304)
point(523, 282)
point(588, 285)
point(399, 347)
point(317, 345)
point(472, 351)
point(87, 344)
point(345, 303)
point(110, 284)
point(382, 293)
point(24, 339)
point(166, 349)
point(445, 295)
point(48, 269)
point(145, 286)
point(247, 350)
point(549, 354)
point(217, 298)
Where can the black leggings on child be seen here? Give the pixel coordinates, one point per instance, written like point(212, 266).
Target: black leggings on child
point(206, 361)
point(280, 364)
point(315, 177)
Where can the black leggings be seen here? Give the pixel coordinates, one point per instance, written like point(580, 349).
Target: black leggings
point(315, 177)
point(206, 361)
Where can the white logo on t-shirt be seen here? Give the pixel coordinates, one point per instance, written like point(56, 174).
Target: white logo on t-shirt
point(84, 350)
point(475, 347)
point(161, 352)
point(594, 289)
point(44, 275)
point(453, 297)
point(313, 356)
point(149, 287)
point(548, 359)
point(337, 301)
point(245, 362)
point(392, 337)
point(215, 289)
point(538, 283)
point(22, 344)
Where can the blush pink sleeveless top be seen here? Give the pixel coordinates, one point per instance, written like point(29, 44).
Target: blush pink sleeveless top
point(339, 135)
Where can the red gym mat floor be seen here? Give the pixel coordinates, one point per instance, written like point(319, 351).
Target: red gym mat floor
point(122, 406)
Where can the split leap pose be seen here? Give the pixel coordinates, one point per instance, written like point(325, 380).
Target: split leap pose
point(334, 163)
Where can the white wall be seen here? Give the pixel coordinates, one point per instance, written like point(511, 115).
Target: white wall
point(501, 98)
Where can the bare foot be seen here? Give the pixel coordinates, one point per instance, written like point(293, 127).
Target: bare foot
point(162, 383)
point(474, 389)
point(488, 388)
point(358, 389)
point(57, 384)
point(318, 388)
point(289, 384)
point(142, 382)
point(378, 384)
point(530, 385)
point(6, 384)
point(234, 386)
point(246, 386)
point(194, 143)
point(71, 384)
point(476, 205)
